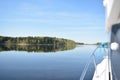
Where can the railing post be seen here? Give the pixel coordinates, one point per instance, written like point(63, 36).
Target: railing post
point(95, 64)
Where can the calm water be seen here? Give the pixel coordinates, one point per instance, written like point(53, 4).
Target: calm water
point(60, 65)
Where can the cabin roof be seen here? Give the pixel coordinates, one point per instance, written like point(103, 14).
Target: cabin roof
point(112, 13)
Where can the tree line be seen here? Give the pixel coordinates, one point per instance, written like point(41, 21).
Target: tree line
point(36, 41)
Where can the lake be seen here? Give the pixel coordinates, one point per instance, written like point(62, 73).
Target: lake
point(55, 65)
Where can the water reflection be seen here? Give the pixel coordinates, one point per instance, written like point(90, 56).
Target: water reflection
point(65, 65)
point(35, 48)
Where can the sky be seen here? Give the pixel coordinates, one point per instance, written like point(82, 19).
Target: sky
point(78, 20)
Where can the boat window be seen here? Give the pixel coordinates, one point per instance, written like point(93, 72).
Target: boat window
point(115, 54)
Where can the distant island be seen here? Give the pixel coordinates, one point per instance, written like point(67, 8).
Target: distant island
point(36, 41)
point(101, 44)
point(37, 44)
point(40, 41)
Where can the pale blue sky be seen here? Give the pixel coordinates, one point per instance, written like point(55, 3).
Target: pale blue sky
point(79, 20)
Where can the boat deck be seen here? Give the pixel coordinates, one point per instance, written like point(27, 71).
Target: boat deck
point(102, 70)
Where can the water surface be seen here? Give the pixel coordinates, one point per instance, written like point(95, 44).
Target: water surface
point(59, 65)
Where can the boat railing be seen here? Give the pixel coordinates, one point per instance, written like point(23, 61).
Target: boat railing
point(91, 58)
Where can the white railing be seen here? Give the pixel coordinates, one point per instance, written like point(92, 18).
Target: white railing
point(92, 58)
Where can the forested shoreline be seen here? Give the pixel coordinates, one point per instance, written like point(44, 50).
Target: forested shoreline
point(36, 41)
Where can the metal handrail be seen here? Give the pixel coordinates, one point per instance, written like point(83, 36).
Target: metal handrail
point(88, 63)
